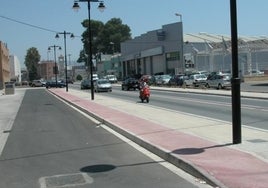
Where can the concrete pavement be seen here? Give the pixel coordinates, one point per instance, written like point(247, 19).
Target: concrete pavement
point(199, 145)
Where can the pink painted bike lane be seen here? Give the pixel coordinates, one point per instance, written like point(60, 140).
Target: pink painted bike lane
point(219, 165)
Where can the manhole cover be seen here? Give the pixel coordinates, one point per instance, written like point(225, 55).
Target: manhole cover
point(65, 180)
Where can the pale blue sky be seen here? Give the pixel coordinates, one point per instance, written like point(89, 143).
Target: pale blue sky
point(211, 16)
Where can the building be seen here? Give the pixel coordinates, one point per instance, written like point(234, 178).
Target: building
point(169, 51)
point(4, 65)
point(46, 70)
point(155, 52)
point(15, 69)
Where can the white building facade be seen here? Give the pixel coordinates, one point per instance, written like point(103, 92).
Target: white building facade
point(15, 68)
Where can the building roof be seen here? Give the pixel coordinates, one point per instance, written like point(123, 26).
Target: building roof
point(216, 39)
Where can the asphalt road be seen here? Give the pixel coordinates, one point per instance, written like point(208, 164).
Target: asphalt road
point(51, 144)
point(253, 111)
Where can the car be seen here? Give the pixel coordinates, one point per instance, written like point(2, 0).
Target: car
point(111, 78)
point(95, 77)
point(219, 81)
point(176, 80)
point(150, 79)
point(255, 72)
point(163, 79)
point(130, 83)
point(53, 83)
point(102, 85)
point(38, 83)
point(196, 80)
point(85, 84)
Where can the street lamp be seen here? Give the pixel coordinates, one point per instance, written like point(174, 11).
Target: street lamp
point(101, 7)
point(55, 70)
point(112, 43)
point(236, 94)
point(181, 54)
point(65, 58)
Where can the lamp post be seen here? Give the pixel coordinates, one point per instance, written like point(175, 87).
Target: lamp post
point(101, 7)
point(236, 96)
point(65, 56)
point(55, 70)
point(112, 43)
point(181, 54)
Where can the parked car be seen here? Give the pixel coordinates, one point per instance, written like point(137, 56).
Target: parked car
point(102, 85)
point(85, 84)
point(255, 72)
point(38, 83)
point(150, 79)
point(163, 79)
point(176, 80)
point(111, 78)
point(52, 83)
point(130, 83)
point(196, 80)
point(219, 81)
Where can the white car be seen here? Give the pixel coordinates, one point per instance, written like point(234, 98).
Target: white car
point(255, 72)
point(111, 78)
point(196, 80)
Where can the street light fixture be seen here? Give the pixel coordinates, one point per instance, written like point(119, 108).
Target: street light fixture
point(182, 53)
point(55, 69)
point(101, 7)
point(65, 57)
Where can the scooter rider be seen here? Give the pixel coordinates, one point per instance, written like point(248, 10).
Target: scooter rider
point(143, 84)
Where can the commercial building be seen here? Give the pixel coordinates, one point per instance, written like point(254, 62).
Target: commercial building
point(155, 52)
point(4, 65)
point(160, 52)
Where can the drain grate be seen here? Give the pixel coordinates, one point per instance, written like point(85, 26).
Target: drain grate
point(65, 180)
point(257, 140)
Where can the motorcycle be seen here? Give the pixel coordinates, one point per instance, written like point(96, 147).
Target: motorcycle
point(145, 93)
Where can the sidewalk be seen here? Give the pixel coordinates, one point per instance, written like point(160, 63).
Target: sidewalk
point(201, 146)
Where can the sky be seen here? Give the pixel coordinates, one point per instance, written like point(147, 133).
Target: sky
point(52, 16)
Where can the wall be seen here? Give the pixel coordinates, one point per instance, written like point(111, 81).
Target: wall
point(4, 65)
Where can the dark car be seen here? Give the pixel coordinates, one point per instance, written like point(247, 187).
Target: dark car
point(176, 80)
point(130, 83)
point(52, 83)
point(150, 79)
point(85, 84)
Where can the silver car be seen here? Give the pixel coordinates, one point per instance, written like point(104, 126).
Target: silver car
point(102, 85)
point(196, 80)
point(219, 81)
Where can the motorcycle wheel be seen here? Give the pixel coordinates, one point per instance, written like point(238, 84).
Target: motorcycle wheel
point(147, 100)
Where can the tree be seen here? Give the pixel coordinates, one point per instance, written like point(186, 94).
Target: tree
point(31, 62)
point(113, 33)
point(79, 77)
point(106, 38)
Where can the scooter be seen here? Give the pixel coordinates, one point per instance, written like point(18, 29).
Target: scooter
point(145, 93)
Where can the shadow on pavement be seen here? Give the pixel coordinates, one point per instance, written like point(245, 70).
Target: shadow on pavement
point(193, 151)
